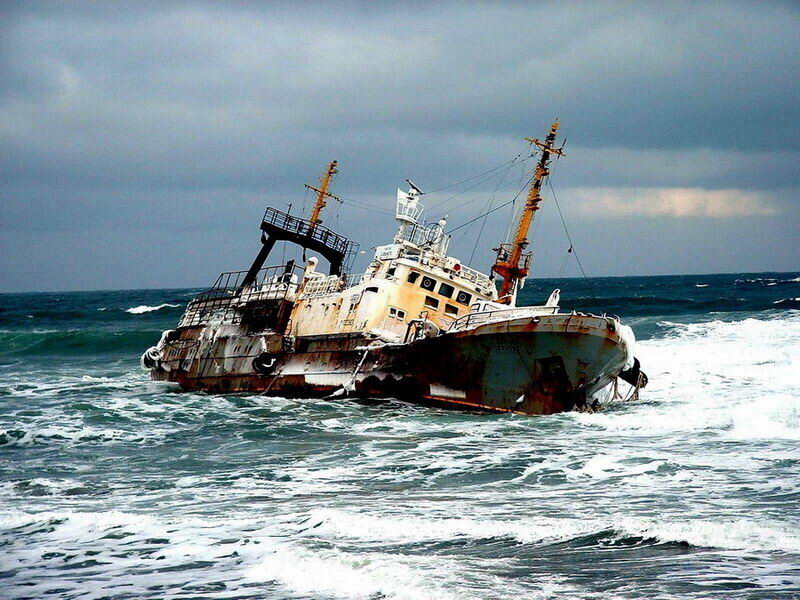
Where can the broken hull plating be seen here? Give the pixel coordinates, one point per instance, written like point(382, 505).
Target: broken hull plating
point(543, 365)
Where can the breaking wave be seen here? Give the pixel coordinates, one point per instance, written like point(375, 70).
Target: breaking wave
point(141, 309)
point(739, 534)
point(790, 303)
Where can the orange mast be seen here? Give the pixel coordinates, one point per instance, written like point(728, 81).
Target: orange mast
point(512, 261)
point(322, 194)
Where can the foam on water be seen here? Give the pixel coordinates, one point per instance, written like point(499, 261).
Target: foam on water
point(114, 485)
point(143, 308)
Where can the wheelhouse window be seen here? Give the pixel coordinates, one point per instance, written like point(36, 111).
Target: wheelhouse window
point(464, 298)
point(428, 283)
point(451, 310)
point(413, 276)
point(431, 302)
point(446, 290)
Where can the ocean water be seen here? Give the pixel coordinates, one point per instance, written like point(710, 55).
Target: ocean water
point(113, 486)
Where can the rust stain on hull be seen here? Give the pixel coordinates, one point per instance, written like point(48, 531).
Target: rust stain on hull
point(546, 367)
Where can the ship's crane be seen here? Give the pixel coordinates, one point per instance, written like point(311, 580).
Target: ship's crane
point(513, 262)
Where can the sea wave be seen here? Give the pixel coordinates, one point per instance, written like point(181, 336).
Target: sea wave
point(61, 434)
point(143, 308)
point(64, 342)
point(736, 379)
point(791, 303)
point(737, 534)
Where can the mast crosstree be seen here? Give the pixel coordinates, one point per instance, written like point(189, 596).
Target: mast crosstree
point(513, 262)
point(322, 194)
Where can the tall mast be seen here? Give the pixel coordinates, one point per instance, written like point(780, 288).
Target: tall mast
point(322, 194)
point(512, 261)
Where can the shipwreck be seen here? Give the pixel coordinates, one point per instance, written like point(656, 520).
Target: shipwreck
point(417, 324)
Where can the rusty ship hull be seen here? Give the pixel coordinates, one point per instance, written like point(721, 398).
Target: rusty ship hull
point(533, 365)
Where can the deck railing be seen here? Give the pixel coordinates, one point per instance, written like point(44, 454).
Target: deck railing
point(304, 227)
point(227, 295)
point(322, 286)
point(475, 277)
point(501, 314)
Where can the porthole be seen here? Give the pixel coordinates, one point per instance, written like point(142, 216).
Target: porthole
point(464, 298)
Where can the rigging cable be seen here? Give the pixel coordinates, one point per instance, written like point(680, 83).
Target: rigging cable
point(452, 185)
point(438, 205)
point(488, 212)
point(364, 206)
point(513, 212)
point(563, 222)
point(494, 174)
point(486, 217)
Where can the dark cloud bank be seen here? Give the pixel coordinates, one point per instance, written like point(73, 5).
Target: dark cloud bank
point(140, 142)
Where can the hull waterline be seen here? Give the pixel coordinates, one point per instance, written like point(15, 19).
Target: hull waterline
point(539, 365)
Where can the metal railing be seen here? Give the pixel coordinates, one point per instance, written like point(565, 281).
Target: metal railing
point(504, 254)
point(501, 314)
point(322, 286)
point(476, 277)
point(353, 280)
point(316, 232)
point(227, 298)
point(432, 237)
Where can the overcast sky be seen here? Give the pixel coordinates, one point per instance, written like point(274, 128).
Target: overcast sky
point(140, 143)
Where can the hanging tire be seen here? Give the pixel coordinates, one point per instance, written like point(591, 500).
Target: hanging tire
point(265, 363)
point(151, 358)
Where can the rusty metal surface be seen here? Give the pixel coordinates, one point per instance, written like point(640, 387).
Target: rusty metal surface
point(528, 366)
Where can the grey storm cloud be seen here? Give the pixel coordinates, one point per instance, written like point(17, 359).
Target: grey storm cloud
point(146, 118)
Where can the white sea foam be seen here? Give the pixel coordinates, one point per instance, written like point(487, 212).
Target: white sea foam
point(348, 575)
point(138, 310)
point(736, 379)
point(601, 466)
point(700, 285)
point(364, 526)
point(737, 534)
